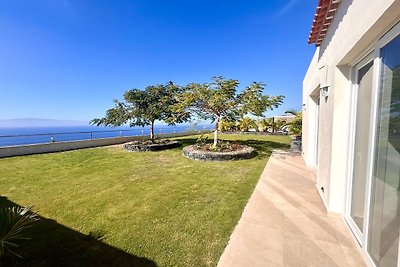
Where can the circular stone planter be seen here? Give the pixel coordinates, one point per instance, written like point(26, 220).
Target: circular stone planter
point(137, 147)
point(194, 153)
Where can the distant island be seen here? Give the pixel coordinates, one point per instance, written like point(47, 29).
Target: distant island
point(36, 122)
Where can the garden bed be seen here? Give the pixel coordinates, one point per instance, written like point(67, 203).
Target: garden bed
point(194, 152)
point(142, 147)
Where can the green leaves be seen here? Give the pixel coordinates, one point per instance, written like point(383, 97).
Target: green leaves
point(141, 108)
point(173, 104)
point(13, 222)
point(220, 99)
point(246, 123)
point(295, 126)
point(115, 116)
point(251, 100)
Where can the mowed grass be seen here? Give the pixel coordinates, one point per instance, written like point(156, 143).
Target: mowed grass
point(108, 207)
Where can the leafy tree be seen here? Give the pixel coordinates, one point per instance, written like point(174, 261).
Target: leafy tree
point(295, 126)
point(142, 108)
point(218, 100)
point(246, 123)
point(264, 124)
point(226, 126)
point(272, 124)
point(279, 124)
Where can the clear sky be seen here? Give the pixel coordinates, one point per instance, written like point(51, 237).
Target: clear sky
point(68, 59)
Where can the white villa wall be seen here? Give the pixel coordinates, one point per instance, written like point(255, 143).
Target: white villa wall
point(357, 25)
point(311, 82)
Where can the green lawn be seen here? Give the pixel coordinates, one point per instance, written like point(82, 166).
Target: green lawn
point(108, 207)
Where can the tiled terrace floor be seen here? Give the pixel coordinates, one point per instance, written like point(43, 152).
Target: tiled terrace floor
point(285, 223)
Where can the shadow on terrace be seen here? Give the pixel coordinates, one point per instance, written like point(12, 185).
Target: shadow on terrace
point(53, 244)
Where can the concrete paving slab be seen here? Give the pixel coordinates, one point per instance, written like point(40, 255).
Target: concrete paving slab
point(285, 223)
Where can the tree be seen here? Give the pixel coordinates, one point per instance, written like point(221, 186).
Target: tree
point(279, 125)
point(218, 100)
point(142, 108)
point(14, 222)
point(264, 124)
point(295, 126)
point(246, 123)
point(227, 126)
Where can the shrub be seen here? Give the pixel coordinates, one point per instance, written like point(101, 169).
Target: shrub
point(222, 146)
point(13, 222)
point(202, 140)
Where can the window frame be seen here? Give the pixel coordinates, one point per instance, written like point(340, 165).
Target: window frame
point(372, 53)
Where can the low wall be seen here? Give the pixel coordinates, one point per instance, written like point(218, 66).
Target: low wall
point(72, 145)
point(259, 133)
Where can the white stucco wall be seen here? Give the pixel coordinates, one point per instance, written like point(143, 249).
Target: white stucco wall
point(357, 25)
point(311, 82)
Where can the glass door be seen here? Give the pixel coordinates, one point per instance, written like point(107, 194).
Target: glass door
point(384, 221)
point(364, 76)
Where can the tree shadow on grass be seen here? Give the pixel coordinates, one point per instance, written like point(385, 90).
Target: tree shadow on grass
point(53, 244)
point(263, 148)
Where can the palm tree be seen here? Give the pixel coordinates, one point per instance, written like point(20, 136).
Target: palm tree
point(246, 123)
point(264, 124)
point(13, 222)
point(227, 126)
point(295, 126)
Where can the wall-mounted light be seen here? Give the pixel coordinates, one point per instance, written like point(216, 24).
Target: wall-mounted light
point(325, 91)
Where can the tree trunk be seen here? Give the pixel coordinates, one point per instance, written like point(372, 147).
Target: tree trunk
point(152, 130)
point(216, 131)
point(273, 124)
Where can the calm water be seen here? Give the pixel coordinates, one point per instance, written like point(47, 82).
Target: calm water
point(40, 135)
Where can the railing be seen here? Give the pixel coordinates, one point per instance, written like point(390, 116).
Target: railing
point(43, 138)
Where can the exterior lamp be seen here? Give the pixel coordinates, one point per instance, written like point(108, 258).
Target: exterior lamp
point(325, 91)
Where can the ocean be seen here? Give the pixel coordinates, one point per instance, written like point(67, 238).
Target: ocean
point(39, 135)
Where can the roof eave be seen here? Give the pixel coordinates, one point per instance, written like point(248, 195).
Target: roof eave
point(323, 17)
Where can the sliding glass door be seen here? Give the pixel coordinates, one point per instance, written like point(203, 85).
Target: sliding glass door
point(384, 223)
point(364, 75)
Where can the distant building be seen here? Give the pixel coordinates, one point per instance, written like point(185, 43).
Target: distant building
point(285, 117)
point(351, 119)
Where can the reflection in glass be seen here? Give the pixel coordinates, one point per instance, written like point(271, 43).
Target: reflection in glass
point(383, 237)
point(365, 75)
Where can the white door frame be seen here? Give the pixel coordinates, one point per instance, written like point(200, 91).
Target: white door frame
point(362, 238)
point(353, 111)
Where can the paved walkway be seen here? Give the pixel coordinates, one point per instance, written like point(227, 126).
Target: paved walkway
point(285, 223)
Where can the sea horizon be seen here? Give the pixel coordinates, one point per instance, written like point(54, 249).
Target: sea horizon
point(13, 136)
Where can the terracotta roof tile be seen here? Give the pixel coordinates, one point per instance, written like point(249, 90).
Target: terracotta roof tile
point(324, 14)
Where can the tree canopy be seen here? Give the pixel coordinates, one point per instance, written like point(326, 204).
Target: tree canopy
point(144, 107)
point(219, 100)
point(295, 126)
point(173, 104)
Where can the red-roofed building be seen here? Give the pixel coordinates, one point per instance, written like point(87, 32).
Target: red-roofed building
point(351, 119)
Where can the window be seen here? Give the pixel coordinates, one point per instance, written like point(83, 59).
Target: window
point(384, 224)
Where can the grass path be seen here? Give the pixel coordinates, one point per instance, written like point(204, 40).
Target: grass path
point(151, 208)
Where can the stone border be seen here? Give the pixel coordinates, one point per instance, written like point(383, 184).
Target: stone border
point(132, 147)
point(193, 153)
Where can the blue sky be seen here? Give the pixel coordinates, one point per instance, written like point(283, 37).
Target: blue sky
point(68, 59)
